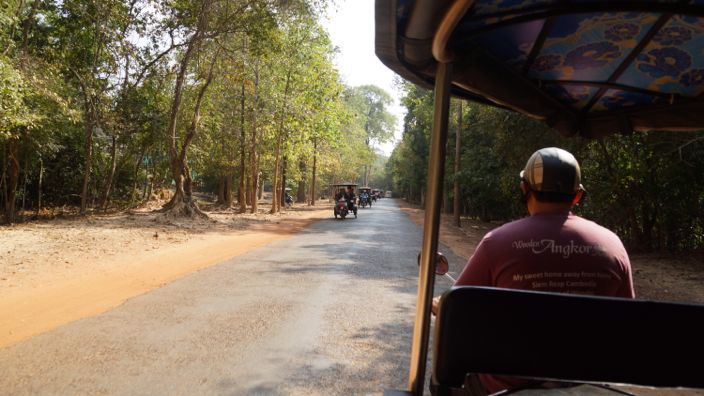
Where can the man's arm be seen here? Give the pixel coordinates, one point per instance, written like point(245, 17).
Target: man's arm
point(627, 290)
point(477, 271)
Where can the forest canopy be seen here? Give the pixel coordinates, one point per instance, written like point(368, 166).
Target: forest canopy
point(104, 103)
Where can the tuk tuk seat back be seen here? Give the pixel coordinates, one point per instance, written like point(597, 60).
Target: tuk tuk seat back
point(567, 337)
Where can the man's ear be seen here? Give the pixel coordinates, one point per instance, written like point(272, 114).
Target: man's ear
point(577, 197)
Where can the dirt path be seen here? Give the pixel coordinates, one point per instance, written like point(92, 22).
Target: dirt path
point(328, 311)
point(58, 271)
point(656, 276)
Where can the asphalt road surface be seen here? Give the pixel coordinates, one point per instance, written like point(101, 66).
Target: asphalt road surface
point(326, 312)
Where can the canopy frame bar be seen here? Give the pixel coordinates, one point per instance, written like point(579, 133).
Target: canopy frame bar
point(434, 188)
point(608, 85)
point(449, 22)
point(431, 229)
point(538, 45)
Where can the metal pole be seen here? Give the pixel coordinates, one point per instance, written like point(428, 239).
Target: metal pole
point(426, 279)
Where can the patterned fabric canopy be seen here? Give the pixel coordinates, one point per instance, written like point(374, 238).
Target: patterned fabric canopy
point(589, 67)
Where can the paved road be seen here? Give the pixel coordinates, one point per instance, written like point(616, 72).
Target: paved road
point(326, 312)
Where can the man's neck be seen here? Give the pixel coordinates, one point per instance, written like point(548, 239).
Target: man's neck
point(536, 207)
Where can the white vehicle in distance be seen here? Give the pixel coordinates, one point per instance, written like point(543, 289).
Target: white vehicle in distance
point(387, 194)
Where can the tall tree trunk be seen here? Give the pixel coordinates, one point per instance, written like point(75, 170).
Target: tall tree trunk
point(241, 193)
point(133, 196)
point(242, 190)
point(88, 161)
point(111, 176)
point(275, 197)
point(90, 104)
point(254, 166)
point(25, 171)
point(248, 192)
point(315, 169)
point(224, 187)
point(301, 198)
point(282, 201)
point(458, 153)
point(445, 206)
point(39, 186)
point(12, 179)
point(3, 176)
point(228, 190)
point(230, 151)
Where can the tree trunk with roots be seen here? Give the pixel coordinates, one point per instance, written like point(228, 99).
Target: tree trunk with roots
point(182, 203)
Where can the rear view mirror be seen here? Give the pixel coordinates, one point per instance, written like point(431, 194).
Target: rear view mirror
point(442, 266)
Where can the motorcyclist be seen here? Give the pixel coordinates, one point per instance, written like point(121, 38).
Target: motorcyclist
point(364, 196)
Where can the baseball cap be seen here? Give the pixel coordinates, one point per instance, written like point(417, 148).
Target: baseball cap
point(553, 169)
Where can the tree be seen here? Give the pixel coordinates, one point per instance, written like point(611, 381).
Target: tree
point(369, 105)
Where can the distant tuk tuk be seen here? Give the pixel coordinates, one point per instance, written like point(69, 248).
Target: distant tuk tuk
point(344, 203)
point(588, 68)
point(365, 197)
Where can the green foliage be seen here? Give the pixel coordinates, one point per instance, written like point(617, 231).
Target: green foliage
point(647, 187)
point(368, 104)
point(13, 111)
point(409, 159)
point(87, 93)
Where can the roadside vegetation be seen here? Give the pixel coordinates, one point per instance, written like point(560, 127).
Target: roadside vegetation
point(647, 187)
point(107, 103)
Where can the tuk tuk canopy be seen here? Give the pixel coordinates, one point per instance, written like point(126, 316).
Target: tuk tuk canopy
point(584, 67)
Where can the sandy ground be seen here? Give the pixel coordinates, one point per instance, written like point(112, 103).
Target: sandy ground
point(656, 276)
point(56, 271)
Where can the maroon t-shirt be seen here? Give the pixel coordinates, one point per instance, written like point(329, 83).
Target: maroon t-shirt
point(549, 252)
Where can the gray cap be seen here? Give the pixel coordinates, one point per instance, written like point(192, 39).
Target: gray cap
point(552, 169)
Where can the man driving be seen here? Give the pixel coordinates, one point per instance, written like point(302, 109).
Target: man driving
point(351, 197)
point(551, 250)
